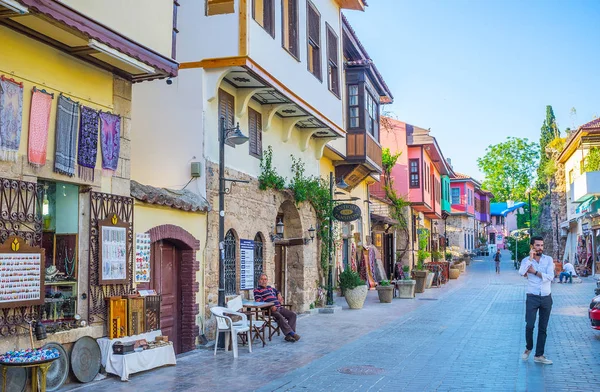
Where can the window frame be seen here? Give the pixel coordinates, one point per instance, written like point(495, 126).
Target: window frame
point(222, 7)
point(175, 30)
point(416, 184)
point(334, 87)
point(309, 46)
point(452, 196)
point(271, 16)
point(371, 109)
point(296, 24)
point(350, 106)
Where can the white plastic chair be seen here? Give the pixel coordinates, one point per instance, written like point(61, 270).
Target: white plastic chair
point(224, 324)
point(237, 305)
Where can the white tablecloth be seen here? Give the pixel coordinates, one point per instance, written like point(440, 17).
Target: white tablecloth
point(124, 365)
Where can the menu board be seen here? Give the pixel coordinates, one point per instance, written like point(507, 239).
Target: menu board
point(246, 264)
point(21, 274)
point(142, 257)
point(113, 252)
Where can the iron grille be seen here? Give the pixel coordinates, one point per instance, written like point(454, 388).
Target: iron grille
point(102, 206)
point(229, 263)
point(21, 215)
point(258, 258)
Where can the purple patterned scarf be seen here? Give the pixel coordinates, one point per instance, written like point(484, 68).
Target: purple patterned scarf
point(88, 143)
point(11, 117)
point(110, 138)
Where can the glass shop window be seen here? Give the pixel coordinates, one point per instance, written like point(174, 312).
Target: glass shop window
point(60, 227)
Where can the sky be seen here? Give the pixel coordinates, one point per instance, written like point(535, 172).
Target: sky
point(478, 71)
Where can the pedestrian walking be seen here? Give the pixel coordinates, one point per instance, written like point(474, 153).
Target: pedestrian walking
point(538, 268)
point(497, 258)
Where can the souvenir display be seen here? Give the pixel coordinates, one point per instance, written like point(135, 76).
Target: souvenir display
point(59, 370)
point(66, 255)
point(21, 273)
point(135, 316)
point(152, 310)
point(85, 359)
point(117, 317)
point(113, 266)
point(142, 257)
point(28, 356)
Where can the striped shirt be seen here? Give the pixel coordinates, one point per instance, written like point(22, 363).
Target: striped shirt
point(266, 294)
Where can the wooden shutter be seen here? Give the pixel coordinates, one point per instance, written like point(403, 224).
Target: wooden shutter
point(255, 131)
point(217, 7)
point(314, 38)
point(226, 109)
point(332, 60)
point(269, 16)
point(293, 26)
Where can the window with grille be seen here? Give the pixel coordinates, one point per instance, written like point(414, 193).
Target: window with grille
point(353, 106)
point(333, 76)
point(289, 24)
point(226, 109)
point(313, 35)
point(219, 7)
point(263, 12)
point(229, 263)
point(414, 173)
point(455, 196)
point(255, 131)
point(258, 258)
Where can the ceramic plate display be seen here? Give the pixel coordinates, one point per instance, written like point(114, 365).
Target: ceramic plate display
point(85, 359)
point(59, 370)
point(16, 379)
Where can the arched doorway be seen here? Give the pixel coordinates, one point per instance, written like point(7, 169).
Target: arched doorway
point(229, 262)
point(289, 259)
point(173, 275)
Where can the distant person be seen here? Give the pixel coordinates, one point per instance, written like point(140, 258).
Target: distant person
point(497, 258)
point(568, 272)
point(539, 270)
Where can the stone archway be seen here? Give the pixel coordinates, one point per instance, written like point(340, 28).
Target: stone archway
point(188, 245)
point(293, 255)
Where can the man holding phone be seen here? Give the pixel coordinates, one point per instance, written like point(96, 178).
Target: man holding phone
point(539, 271)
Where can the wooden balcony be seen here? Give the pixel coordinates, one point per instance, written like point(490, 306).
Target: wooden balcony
point(362, 148)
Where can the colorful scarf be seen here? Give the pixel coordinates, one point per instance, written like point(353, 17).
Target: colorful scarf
point(110, 138)
point(39, 120)
point(11, 117)
point(88, 143)
point(67, 123)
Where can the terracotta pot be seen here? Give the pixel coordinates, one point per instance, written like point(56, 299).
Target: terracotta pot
point(454, 273)
point(385, 293)
point(356, 297)
point(420, 277)
point(406, 288)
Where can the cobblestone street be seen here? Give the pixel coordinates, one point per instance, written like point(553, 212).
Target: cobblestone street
point(466, 336)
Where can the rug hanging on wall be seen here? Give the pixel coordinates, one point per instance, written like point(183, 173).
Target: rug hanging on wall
point(110, 138)
point(88, 143)
point(67, 124)
point(39, 120)
point(11, 117)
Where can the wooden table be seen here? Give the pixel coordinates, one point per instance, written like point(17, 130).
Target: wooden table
point(43, 366)
point(259, 310)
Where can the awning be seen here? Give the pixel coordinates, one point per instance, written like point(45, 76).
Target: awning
point(62, 27)
point(586, 206)
point(375, 218)
point(182, 200)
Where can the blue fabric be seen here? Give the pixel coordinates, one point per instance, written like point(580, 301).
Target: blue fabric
point(502, 208)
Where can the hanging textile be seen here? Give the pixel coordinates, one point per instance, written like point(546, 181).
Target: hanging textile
point(11, 117)
point(362, 265)
point(110, 138)
point(67, 124)
point(353, 265)
point(39, 121)
point(88, 143)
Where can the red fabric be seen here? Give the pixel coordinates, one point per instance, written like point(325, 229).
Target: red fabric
point(39, 120)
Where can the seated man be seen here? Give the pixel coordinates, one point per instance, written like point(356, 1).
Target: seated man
point(286, 319)
point(568, 273)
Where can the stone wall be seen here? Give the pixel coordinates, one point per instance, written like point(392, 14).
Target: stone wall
point(554, 205)
point(456, 226)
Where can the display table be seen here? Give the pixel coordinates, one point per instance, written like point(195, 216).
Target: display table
point(43, 366)
point(126, 364)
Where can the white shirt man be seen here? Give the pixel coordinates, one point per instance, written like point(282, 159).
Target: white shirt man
point(568, 267)
point(540, 280)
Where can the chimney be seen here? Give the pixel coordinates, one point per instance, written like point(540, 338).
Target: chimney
point(449, 162)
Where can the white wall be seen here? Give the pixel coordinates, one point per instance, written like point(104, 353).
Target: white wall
point(573, 163)
point(167, 131)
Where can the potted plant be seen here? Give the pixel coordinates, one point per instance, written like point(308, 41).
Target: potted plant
point(406, 286)
point(355, 289)
point(422, 255)
point(385, 291)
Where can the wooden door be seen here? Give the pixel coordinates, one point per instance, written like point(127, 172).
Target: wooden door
point(279, 279)
point(165, 269)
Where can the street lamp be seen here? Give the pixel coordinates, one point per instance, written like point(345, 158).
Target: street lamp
point(311, 233)
point(530, 221)
point(235, 136)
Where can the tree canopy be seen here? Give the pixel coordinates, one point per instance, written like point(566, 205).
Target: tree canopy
point(509, 168)
point(548, 133)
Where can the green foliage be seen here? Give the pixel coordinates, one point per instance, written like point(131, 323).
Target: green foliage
point(422, 253)
point(268, 178)
point(448, 256)
point(522, 246)
point(312, 305)
point(437, 255)
point(398, 203)
point(548, 133)
point(592, 161)
point(350, 279)
point(384, 283)
point(509, 168)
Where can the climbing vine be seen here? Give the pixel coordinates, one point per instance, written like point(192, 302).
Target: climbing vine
point(268, 178)
point(398, 203)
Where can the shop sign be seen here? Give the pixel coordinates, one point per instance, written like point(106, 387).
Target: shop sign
point(346, 212)
point(246, 264)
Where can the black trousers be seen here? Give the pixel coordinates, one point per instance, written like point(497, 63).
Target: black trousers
point(536, 303)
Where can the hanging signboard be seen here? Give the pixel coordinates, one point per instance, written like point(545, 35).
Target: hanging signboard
point(142, 257)
point(113, 264)
point(246, 264)
point(21, 274)
point(346, 212)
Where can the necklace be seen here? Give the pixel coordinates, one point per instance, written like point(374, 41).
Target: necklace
point(69, 264)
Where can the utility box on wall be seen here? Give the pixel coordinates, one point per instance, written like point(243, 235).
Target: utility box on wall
point(196, 169)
